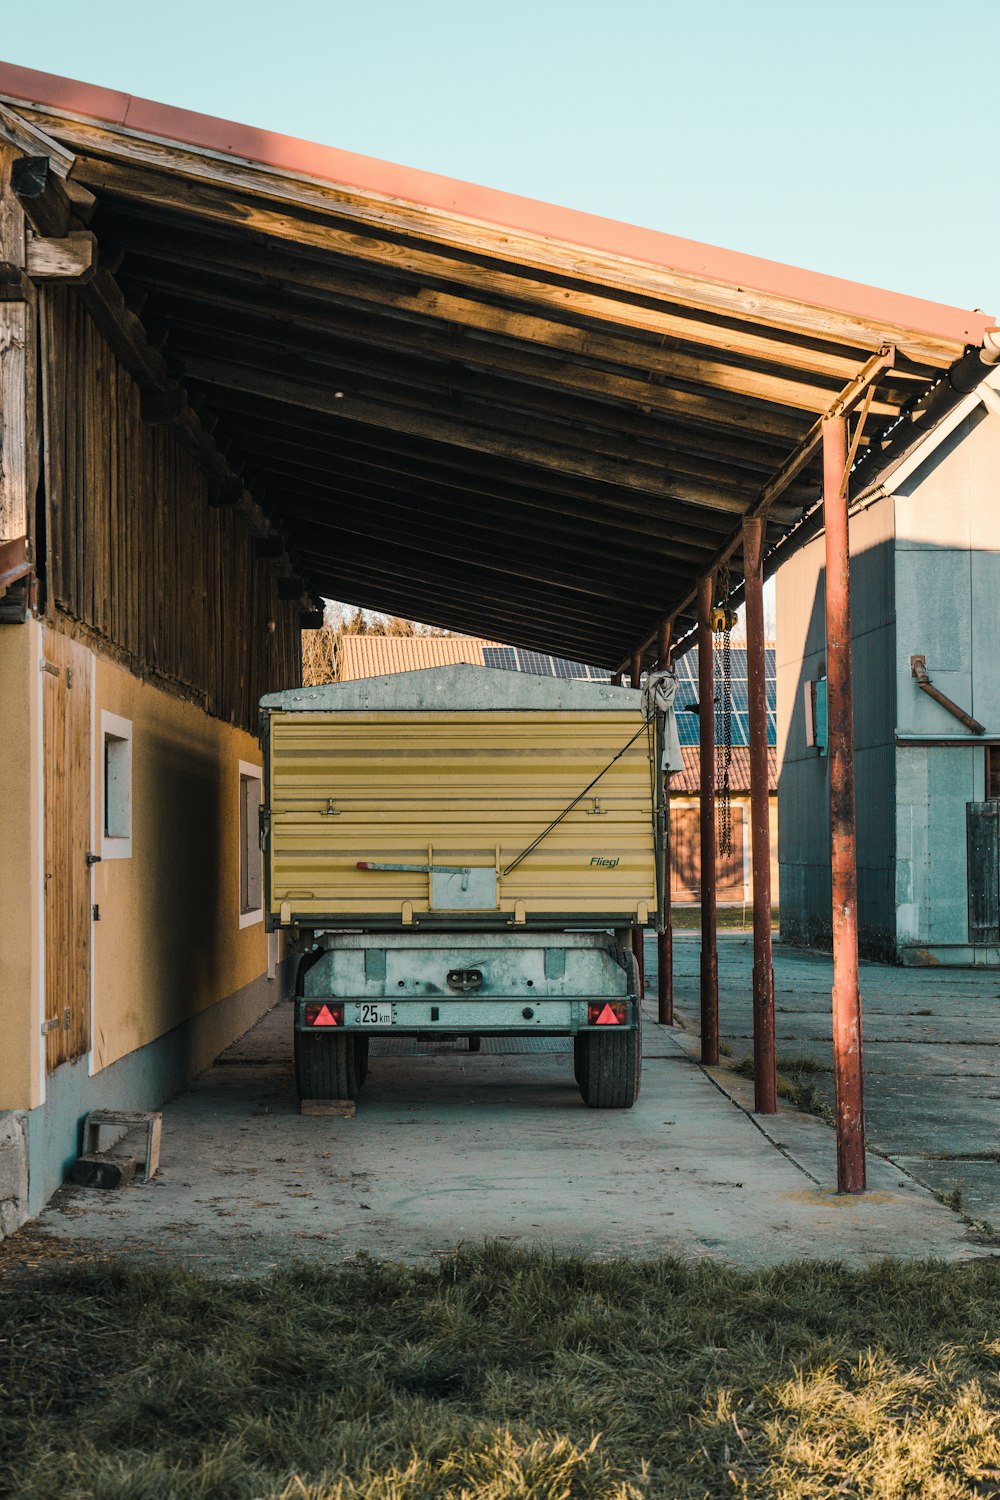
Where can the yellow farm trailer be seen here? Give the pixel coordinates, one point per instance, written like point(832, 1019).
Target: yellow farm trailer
point(461, 850)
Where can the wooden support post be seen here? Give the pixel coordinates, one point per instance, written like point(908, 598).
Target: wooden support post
point(706, 756)
point(764, 1074)
point(638, 933)
point(664, 933)
point(848, 1068)
point(18, 457)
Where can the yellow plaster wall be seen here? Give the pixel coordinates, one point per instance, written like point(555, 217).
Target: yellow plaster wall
point(168, 943)
point(20, 1010)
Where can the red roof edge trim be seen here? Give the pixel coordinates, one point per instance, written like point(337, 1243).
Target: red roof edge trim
point(491, 206)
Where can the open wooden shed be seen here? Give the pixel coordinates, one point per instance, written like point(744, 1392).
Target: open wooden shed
point(339, 377)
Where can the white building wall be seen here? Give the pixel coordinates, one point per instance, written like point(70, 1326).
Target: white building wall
point(948, 610)
point(925, 580)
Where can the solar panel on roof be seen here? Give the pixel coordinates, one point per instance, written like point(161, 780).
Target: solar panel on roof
point(542, 664)
point(571, 670)
point(500, 656)
point(687, 693)
point(534, 661)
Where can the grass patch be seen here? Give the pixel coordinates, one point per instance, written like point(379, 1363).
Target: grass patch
point(795, 1081)
point(728, 918)
point(503, 1375)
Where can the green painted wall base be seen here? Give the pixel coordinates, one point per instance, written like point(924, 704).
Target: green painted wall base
point(142, 1080)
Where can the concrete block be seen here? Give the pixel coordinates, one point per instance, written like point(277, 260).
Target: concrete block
point(98, 1170)
point(13, 1172)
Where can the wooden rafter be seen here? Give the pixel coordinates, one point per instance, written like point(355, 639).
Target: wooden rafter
point(480, 424)
point(54, 208)
point(118, 160)
point(459, 431)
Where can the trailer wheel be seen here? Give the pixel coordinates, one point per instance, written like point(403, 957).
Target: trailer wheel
point(329, 1067)
point(475, 1043)
point(580, 1053)
point(612, 1064)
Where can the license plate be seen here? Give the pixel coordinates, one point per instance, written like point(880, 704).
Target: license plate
point(373, 1015)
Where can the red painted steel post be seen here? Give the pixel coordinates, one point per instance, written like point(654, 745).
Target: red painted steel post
point(848, 1065)
point(638, 933)
point(706, 755)
point(764, 1066)
point(665, 936)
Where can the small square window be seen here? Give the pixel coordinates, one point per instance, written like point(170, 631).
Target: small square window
point(251, 861)
point(116, 786)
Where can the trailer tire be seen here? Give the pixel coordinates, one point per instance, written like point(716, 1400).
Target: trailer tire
point(327, 1067)
point(475, 1043)
point(612, 1067)
point(361, 1058)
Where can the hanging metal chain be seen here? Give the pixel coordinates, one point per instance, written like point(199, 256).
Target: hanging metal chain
point(724, 744)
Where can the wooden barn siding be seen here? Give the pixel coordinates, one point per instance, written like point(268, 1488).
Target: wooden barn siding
point(135, 552)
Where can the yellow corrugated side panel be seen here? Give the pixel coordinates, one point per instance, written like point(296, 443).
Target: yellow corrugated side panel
point(407, 787)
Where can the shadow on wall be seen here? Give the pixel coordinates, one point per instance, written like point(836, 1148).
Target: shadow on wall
point(804, 779)
point(187, 852)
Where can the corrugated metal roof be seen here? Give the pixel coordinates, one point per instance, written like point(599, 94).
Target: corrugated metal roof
point(739, 770)
point(379, 655)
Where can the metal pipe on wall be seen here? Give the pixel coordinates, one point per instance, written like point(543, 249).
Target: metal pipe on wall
point(638, 933)
point(706, 756)
point(664, 935)
point(764, 1071)
point(848, 1065)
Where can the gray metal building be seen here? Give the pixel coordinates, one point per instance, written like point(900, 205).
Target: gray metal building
point(925, 583)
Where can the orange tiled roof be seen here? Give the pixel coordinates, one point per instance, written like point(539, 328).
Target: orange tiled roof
point(739, 771)
point(376, 655)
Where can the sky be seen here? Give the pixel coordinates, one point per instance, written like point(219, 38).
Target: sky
point(857, 140)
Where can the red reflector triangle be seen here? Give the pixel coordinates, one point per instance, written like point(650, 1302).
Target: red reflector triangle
point(325, 1017)
point(607, 1017)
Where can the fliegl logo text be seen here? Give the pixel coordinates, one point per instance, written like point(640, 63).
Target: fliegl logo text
point(604, 863)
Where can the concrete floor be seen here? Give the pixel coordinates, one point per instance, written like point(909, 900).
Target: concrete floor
point(448, 1146)
point(932, 1054)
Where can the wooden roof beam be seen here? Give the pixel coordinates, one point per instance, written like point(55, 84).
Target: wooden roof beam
point(253, 423)
point(53, 209)
point(200, 308)
point(476, 435)
point(333, 472)
point(447, 546)
point(31, 140)
point(525, 553)
point(630, 333)
point(528, 344)
point(857, 390)
point(335, 487)
point(131, 165)
point(615, 433)
point(287, 226)
point(369, 372)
